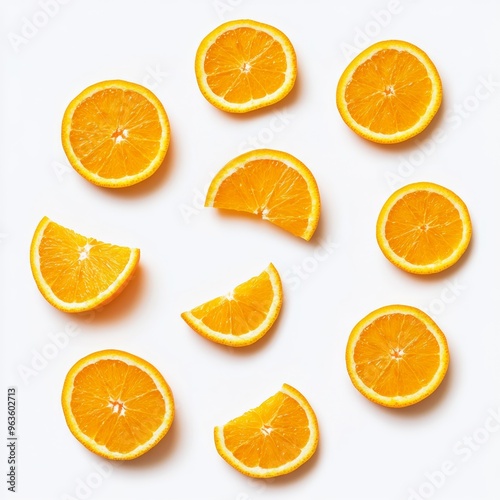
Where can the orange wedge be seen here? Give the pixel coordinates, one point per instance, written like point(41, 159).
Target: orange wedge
point(397, 356)
point(116, 404)
point(244, 65)
point(115, 133)
point(76, 273)
point(390, 92)
point(242, 316)
point(273, 439)
point(424, 228)
point(274, 185)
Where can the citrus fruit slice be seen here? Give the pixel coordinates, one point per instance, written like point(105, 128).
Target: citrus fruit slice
point(390, 92)
point(271, 184)
point(115, 133)
point(273, 439)
point(75, 273)
point(242, 316)
point(423, 228)
point(117, 404)
point(244, 65)
point(397, 356)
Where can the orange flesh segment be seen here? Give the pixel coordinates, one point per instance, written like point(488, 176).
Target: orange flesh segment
point(390, 92)
point(77, 268)
point(396, 355)
point(423, 228)
point(115, 133)
point(117, 405)
point(244, 64)
point(270, 435)
point(243, 311)
point(271, 189)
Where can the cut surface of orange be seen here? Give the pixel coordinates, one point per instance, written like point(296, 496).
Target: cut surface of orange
point(396, 356)
point(245, 65)
point(424, 228)
point(271, 184)
point(273, 439)
point(115, 133)
point(116, 404)
point(242, 316)
point(390, 92)
point(76, 273)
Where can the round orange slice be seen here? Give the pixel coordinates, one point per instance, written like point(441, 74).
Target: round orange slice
point(271, 184)
point(115, 133)
point(242, 316)
point(245, 65)
point(397, 356)
point(76, 273)
point(424, 228)
point(116, 404)
point(273, 439)
point(390, 92)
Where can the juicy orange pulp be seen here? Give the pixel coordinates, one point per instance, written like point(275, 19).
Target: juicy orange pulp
point(78, 268)
point(245, 64)
point(271, 184)
point(252, 445)
point(390, 92)
point(424, 227)
point(273, 439)
point(396, 355)
point(116, 404)
point(115, 133)
point(76, 273)
point(120, 413)
point(243, 311)
point(242, 316)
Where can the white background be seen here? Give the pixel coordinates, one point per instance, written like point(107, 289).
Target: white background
point(189, 255)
